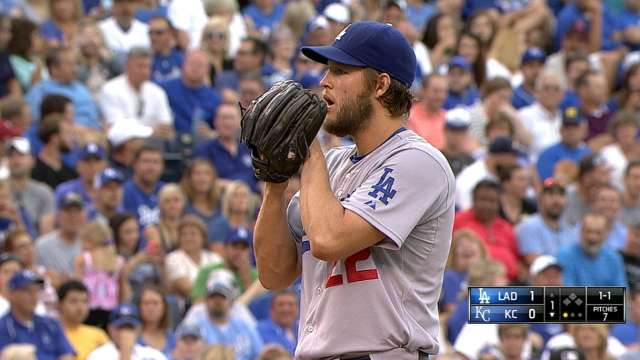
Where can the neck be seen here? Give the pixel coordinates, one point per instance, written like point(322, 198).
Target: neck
point(146, 187)
point(376, 133)
point(194, 254)
point(136, 85)
point(201, 202)
point(236, 219)
point(124, 23)
point(219, 320)
point(589, 106)
point(19, 182)
point(511, 200)
point(192, 84)
point(266, 8)
point(165, 50)
point(630, 198)
point(68, 324)
point(152, 329)
point(104, 210)
point(50, 154)
point(67, 236)
point(431, 108)
point(229, 143)
point(550, 109)
point(23, 317)
point(551, 222)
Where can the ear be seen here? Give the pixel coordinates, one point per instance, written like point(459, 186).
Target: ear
point(383, 84)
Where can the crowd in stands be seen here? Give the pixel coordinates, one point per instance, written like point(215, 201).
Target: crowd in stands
point(127, 201)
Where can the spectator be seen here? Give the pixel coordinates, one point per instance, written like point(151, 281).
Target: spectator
point(126, 137)
point(55, 133)
point(20, 244)
point(61, 64)
point(33, 199)
point(462, 91)
point(9, 85)
point(107, 199)
point(141, 191)
point(238, 249)
point(189, 344)
point(608, 202)
point(496, 233)
point(511, 345)
point(171, 203)
point(249, 60)
point(629, 18)
point(22, 325)
point(629, 333)
point(229, 156)
point(466, 249)
point(121, 31)
point(582, 262)
point(124, 329)
point(440, 36)
point(52, 104)
point(631, 256)
point(546, 271)
point(9, 265)
point(265, 15)
point(219, 328)
point(11, 217)
point(283, 51)
point(192, 101)
point(570, 147)
point(155, 320)
point(282, 327)
point(184, 263)
point(501, 153)
point(623, 129)
point(470, 47)
point(96, 64)
point(132, 96)
point(63, 26)
point(73, 297)
point(631, 195)
point(627, 97)
point(531, 65)
point(26, 49)
point(189, 17)
point(215, 43)
point(542, 118)
point(591, 339)
point(239, 206)
point(515, 205)
point(167, 57)
point(99, 266)
point(457, 139)
point(58, 249)
point(250, 88)
point(544, 233)
point(602, 24)
point(593, 91)
point(593, 173)
point(91, 162)
point(17, 115)
point(427, 117)
point(126, 234)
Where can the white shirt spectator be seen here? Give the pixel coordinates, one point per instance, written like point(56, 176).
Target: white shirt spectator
point(238, 311)
point(109, 351)
point(119, 100)
point(119, 41)
point(179, 264)
point(564, 340)
point(189, 16)
point(237, 32)
point(475, 337)
point(467, 180)
point(543, 126)
point(618, 162)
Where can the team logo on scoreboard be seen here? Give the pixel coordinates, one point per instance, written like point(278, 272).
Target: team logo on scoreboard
point(484, 297)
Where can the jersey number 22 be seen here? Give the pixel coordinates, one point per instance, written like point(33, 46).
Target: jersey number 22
point(353, 275)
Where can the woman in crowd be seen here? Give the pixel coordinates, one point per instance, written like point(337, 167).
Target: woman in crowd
point(239, 205)
point(514, 203)
point(283, 49)
point(625, 148)
point(155, 319)
point(26, 48)
point(9, 86)
point(215, 42)
point(592, 340)
point(96, 64)
point(171, 202)
point(183, 264)
point(470, 47)
point(484, 26)
point(440, 36)
point(63, 26)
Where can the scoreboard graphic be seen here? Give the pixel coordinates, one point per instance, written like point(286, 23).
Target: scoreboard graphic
point(546, 304)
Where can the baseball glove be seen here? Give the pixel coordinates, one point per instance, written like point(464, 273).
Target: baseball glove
point(278, 129)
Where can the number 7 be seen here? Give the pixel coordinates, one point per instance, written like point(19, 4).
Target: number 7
point(353, 275)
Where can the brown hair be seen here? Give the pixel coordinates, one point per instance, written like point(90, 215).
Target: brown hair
point(397, 99)
point(213, 196)
point(494, 85)
point(458, 235)
point(192, 220)
point(484, 272)
point(11, 238)
point(11, 107)
point(165, 321)
point(228, 193)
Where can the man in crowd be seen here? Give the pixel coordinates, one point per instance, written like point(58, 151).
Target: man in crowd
point(22, 326)
point(607, 202)
point(281, 328)
point(55, 132)
point(9, 265)
point(167, 58)
point(91, 161)
point(583, 262)
point(58, 249)
point(593, 173)
point(544, 233)
point(122, 31)
point(73, 300)
point(427, 117)
point(189, 344)
point(29, 195)
point(126, 137)
point(107, 200)
point(249, 59)
point(631, 195)
point(531, 65)
point(141, 191)
point(462, 90)
point(593, 91)
point(456, 139)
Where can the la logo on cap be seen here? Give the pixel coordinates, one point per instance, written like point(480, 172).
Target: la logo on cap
point(342, 33)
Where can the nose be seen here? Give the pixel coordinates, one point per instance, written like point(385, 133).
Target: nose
point(325, 81)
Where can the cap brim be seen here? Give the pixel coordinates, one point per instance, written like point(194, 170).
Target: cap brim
point(126, 321)
point(324, 54)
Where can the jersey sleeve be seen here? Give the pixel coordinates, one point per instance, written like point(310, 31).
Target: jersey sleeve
point(408, 187)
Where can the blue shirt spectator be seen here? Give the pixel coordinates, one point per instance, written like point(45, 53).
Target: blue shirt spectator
point(167, 58)
point(166, 67)
point(91, 160)
point(263, 21)
point(464, 99)
point(282, 326)
point(51, 32)
point(273, 333)
point(452, 284)
point(536, 237)
point(169, 344)
point(229, 165)
point(555, 153)
point(462, 90)
point(419, 13)
point(571, 13)
point(522, 97)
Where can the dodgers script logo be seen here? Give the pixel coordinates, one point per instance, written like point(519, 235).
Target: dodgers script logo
point(342, 33)
point(383, 190)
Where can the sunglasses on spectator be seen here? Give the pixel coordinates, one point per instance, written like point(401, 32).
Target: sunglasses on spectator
point(551, 87)
point(214, 35)
point(157, 32)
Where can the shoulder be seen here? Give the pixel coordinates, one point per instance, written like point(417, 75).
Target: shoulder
point(152, 89)
point(46, 240)
point(114, 85)
point(147, 352)
point(530, 223)
point(39, 188)
point(170, 85)
point(107, 23)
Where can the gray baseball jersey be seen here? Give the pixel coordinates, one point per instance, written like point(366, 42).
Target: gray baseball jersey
point(382, 299)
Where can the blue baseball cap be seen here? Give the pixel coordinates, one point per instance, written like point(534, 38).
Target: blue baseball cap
point(188, 330)
point(70, 198)
point(504, 145)
point(106, 176)
point(370, 44)
point(92, 150)
point(533, 54)
point(459, 61)
point(572, 116)
point(23, 279)
point(239, 235)
point(123, 315)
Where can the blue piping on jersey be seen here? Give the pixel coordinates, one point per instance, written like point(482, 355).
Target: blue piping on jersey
point(355, 157)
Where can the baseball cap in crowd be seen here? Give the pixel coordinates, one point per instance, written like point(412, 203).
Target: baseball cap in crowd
point(124, 130)
point(220, 287)
point(368, 44)
point(337, 12)
point(457, 119)
point(240, 234)
point(92, 151)
point(188, 330)
point(70, 198)
point(578, 27)
point(551, 185)
point(503, 145)
point(401, 4)
point(6, 257)
point(533, 54)
point(106, 176)
point(542, 263)
point(19, 144)
point(460, 62)
point(24, 278)
point(7, 130)
point(124, 315)
point(572, 116)
point(319, 22)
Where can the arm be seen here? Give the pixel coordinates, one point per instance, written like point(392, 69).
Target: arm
point(334, 232)
point(256, 289)
point(46, 224)
point(14, 87)
point(276, 252)
point(78, 266)
point(594, 12)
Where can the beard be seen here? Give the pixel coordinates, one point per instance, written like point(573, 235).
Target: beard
point(352, 116)
point(553, 214)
